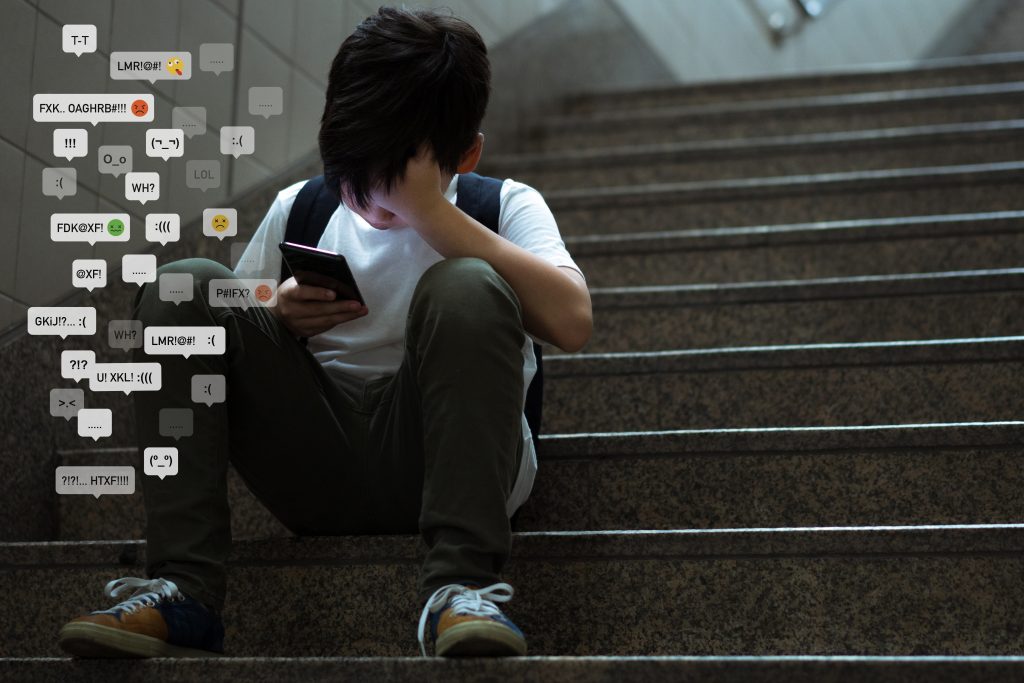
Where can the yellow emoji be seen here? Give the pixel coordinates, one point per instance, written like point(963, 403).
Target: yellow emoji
point(220, 222)
point(175, 65)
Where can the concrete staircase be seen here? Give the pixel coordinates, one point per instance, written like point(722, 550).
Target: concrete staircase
point(791, 451)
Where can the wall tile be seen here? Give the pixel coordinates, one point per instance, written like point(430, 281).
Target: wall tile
point(205, 22)
point(190, 202)
point(304, 109)
point(273, 20)
point(54, 71)
point(246, 174)
point(148, 26)
point(17, 36)
point(319, 32)
point(260, 66)
point(95, 12)
point(12, 167)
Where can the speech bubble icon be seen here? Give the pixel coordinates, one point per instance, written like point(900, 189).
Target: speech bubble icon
point(160, 461)
point(266, 101)
point(244, 260)
point(124, 334)
point(142, 187)
point(138, 268)
point(95, 423)
point(202, 175)
point(220, 223)
point(67, 402)
point(60, 182)
point(175, 422)
point(190, 120)
point(76, 364)
point(150, 66)
point(209, 389)
point(210, 340)
point(176, 287)
point(78, 38)
point(89, 273)
point(237, 140)
point(95, 481)
point(61, 320)
point(217, 57)
point(163, 227)
point(242, 292)
point(165, 143)
point(114, 159)
point(70, 143)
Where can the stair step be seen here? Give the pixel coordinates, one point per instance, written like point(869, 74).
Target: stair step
point(845, 309)
point(919, 146)
point(782, 116)
point(928, 74)
point(912, 244)
point(789, 199)
point(949, 590)
point(780, 476)
point(937, 380)
point(739, 669)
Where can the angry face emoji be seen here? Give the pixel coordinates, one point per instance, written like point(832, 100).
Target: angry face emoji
point(175, 65)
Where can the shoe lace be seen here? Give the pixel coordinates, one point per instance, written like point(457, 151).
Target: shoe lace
point(465, 600)
point(146, 593)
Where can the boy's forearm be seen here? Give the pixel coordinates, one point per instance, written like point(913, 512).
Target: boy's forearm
point(556, 304)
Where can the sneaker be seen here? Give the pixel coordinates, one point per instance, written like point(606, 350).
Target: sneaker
point(158, 620)
point(465, 622)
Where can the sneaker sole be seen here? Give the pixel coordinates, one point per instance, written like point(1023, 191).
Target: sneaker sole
point(479, 639)
point(93, 640)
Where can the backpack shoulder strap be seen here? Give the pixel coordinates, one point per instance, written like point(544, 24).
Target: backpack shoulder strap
point(312, 210)
point(480, 197)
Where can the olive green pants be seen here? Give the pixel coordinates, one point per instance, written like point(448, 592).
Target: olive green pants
point(434, 449)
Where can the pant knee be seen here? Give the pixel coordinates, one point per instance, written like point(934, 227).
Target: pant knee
point(151, 309)
point(465, 292)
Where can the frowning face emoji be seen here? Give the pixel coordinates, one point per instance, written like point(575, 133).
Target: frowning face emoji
point(175, 65)
point(220, 222)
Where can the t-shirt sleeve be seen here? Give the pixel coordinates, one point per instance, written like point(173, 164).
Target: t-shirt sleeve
point(526, 220)
point(262, 257)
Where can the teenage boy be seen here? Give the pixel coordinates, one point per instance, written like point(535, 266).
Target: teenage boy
point(402, 415)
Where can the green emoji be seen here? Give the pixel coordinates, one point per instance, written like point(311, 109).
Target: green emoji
point(115, 227)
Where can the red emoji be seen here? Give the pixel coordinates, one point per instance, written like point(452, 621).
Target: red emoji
point(140, 108)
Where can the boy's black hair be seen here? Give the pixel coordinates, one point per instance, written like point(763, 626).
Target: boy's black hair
point(403, 78)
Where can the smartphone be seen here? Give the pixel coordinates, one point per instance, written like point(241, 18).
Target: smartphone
point(321, 268)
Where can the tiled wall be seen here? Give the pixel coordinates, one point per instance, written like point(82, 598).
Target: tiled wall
point(277, 42)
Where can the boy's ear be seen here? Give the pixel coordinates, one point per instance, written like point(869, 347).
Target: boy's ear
point(471, 157)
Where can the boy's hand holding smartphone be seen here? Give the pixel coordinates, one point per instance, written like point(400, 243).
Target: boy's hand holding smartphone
point(308, 310)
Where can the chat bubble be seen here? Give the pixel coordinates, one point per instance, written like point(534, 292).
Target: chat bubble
point(70, 143)
point(89, 273)
point(95, 480)
point(114, 159)
point(176, 287)
point(245, 260)
point(67, 402)
point(138, 268)
point(209, 389)
point(165, 143)
point(217, 57)
point(190, 120)
point(186, 341)
point(151, 66)
point(124, 334)
point(163, 227)
point(202, 175)
point(237, 140)
point(92, 108)
point(63, 321)
point(175, 422)
point(126, 377)
point(95, 423)
point(266, 101)
point(142, 187)
point(242, 292)
point(60, 182)
point(90, 227)
point(220, 223)
point(76, 364)
point(160, 461)
point(78, 38)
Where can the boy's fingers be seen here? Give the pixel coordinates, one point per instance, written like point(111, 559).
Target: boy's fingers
point(311, 293)
point(314, 309)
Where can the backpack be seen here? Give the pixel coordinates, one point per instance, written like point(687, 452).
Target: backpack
point(478, 196)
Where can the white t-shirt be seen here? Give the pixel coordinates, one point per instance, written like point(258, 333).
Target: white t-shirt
point(387, 265)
